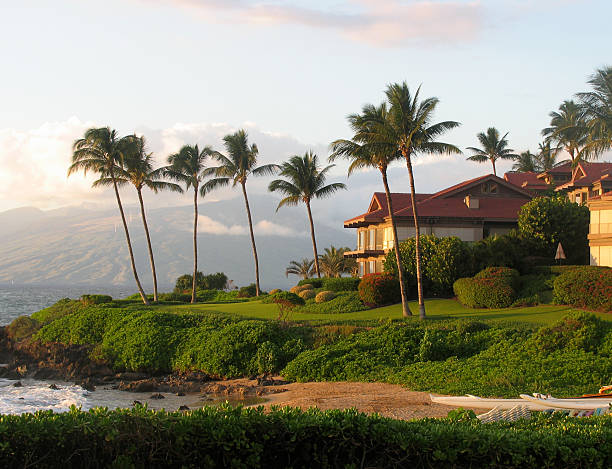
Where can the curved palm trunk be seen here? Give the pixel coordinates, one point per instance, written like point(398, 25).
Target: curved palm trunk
point(151, 260)
point(195, 243)
point(400, 273)
point(417, 241)
point(314, 241)
point(494, 170)
point(248, 209)
point(129, 242)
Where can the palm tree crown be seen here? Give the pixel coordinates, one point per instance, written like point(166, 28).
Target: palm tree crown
point(547, 156)
point(568, 129)
point(526, 162)
point(597, 105)
point(303, 268)
point(493, 148)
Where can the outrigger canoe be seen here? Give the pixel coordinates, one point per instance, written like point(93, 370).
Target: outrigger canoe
point(485, 403)
point(581, 403)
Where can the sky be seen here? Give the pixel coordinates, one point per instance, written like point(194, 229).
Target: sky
point(191, 71)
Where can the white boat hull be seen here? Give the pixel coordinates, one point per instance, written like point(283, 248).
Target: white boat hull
point(580, 404)
point(485, 403)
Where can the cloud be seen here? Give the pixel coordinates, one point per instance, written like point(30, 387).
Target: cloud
point(208, 225)
point(268, 228)
point(377, 22)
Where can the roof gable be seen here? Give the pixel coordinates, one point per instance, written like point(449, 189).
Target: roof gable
point(454, 190)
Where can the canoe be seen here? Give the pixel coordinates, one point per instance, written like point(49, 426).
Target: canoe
point(476, 402)
point(581, 403)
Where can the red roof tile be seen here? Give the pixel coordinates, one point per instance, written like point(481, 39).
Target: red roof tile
point(525, 180)
point(588, 173)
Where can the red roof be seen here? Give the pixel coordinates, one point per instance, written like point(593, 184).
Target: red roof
point(586, 174)
point(400, 200)
point(525, 180)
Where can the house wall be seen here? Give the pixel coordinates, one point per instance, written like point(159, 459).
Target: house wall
point(600, 233)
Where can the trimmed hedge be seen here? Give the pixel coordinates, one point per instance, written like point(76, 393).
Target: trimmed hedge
point(585, 287)
point(307, 294)
point(315, 282)
point(341, 283)
point(493, 287)
point(89, 300)
point(507, 274)
point(344, 302)
point(325, 296)
point(379, 290)
point(300, 288)
point(227, 437)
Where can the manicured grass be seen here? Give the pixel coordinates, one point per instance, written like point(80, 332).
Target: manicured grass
point(436, 309)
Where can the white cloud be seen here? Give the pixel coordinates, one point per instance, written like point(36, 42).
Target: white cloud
point(268, 228)
point(378, 22)
point(208, 225)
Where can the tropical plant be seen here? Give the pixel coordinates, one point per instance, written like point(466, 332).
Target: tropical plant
point(333, 263)
point(547, 156)
point(568, 130)
point(526, 162)
point(409, 126)
point(138, 170)
point(370, 149)
point(303, 268)
point(236, 167)
point(102, 151)
point(493, 148)
point(188, 167)
point(304, 181)
point(597, 105)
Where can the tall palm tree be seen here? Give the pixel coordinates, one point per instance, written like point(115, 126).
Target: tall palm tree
point(526, 162)
point(493, 148)
point(236, 167)
point(138, 171)
point(333, 263)
point(568, 130)
point(597, 105)
point(188, 166)
point(409, 126)
point(102, 150)
point(305, 180)
point(369, 148)
point(303, 268)
point(547, 156)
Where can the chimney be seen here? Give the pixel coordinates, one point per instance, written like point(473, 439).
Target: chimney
point(471, 202)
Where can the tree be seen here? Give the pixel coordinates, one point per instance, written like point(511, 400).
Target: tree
point(369, 148)
point(333, 262)
point(597, 106)
point(493, 148)
point(236, 167)
point(547, 156)
point(303, 268)
point(305, 180)
point(526, 162)
point(188, 166)
point(409, 126)
point(138, 170)
point(102, 150)
point(568, 130)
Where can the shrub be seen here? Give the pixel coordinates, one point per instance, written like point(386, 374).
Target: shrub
point(175, 296)
point(216, 281)
point(300, 288)
point(511, 276)
point(576, 331)
point(324, 296)
point(248, 291)
point(62, 308)
point(22, 327)
point(315, 282)
point(585, 287)
point(89, 300)
point(344, 302)
point(286, 301)
point(379, 290)
point(341, 283)
point(484, 292)
point(307, 294)
point(275, 290)
point(443, 260)
point(511, 250)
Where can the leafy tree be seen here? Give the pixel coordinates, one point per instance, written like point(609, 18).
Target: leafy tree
point(370, 149)
point(138, 171)
point(526, 162)
point(188, 166)
point(303, 268)
point(236, 167)
point(216, 281)
point(493, 148)
point(408, 124)
point(568, 130)
point(304, 181)
point(102, 151)
point(548, 221)
point(597, 105)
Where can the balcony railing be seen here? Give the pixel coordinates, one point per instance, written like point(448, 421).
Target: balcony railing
point(600, 228)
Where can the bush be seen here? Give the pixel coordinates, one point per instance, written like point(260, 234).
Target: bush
point(341, 283)
point(62, 308)
point(511, 250)
point(324, 296)
point(315, 282)
point(300, 288)
point(253, 437)
point(307, 294)
point(379, 290)
point(22, 327)
point(585, 287)
point(216, 281)
point(344, 302)
point(275, 290)
point(484, 292)
point(89, 300)
point(510, 276)
point(248, 291)
point(174, 296)
point(443, 260)
point(286, 302)
point(576, 331)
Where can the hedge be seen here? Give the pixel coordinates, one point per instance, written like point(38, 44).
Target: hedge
point(341, 283)
point(88, 300)
point(325, 296)
point(585, 287)
point(315, 282)
point(493, 287)
point(379, 290)
point(226, 437)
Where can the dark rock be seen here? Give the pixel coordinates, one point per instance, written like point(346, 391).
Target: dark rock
point(87, 385)
point(183, 407)
point(53, 386)
point(156, 396)
point(135, 403)
point(180, 393)
point(131, 376)
point(17, 384)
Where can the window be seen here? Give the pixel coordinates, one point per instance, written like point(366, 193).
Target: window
point(361, 240)
point(489, 188)
point(372, 267)
point(388, 238)
point(372, 239)
point(361, 269)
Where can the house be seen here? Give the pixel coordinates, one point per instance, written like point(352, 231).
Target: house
point(600, 229)
point(471, 210)
point(588, 180)
point(528, 180)
point(557, 175)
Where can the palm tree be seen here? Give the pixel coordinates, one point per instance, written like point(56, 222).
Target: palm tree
point(526, 162)
point(370, 149)
point(138, 170)
point(568, 130)
point(493, 148)
point(101, 150)
point(304, 268)
point(305, 180)
point(409, 126)
point(188, 166)
point(547, 156)
point(236, 168)
point(333, 263)
point(597, 105)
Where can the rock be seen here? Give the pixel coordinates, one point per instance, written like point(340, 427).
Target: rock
point(156, 396)
point(180, 393)
point(53, 386)
point(183, 408)
point(17, 384)
point(131, 376)
point(136, 403)
point(87, 385)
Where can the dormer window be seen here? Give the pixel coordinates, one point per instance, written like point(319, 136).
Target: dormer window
point(489, 188)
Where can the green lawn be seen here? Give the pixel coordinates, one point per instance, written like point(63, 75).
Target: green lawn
point(436, 309)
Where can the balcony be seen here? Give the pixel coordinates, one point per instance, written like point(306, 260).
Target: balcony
point(600, 228)
point(365, 252)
